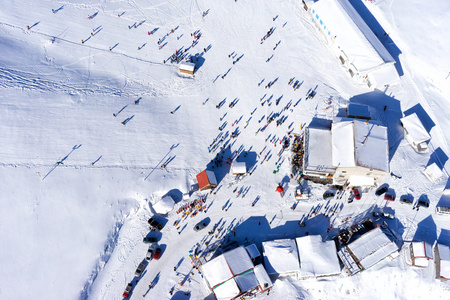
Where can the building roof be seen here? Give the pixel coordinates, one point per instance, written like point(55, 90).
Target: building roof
point(252, 251)
point(206, 178)
point(217, 271)
point(318, 153)
point(281, 257)
point(444, 256)
point(351, 33)
point(238, 260)
point(433, 172)
point(262, 277)
point(164, 205)
point(227, 290)
point(187, 66)
point(247, 280)
point(422, 252)
point(239, 168)
point(317, 258)
point(415, 129)
point(343, 144)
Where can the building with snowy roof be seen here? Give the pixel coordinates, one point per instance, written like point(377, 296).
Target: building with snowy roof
point(353, 152)
point(206, 180)
point(433, 172)
point(233, 273)
point(442, 261)
point(415, 133)
point(281, 258)
point(418, 254)
point(238, 168)
point(317, 258)
point(187, 68)
point(369, 249)
point(351, 40)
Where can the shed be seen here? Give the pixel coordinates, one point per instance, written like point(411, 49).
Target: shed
point(317, 258)
point(442, 261)
point(420, 253)
point(187, 68)
point(281, 257)
point(206, 180)
point(416, 135)
point(433, 172)
point(164, 205)
point(238, 168)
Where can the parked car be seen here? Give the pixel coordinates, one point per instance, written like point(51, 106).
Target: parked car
point(149, 253)
point(327, 195)
point(375, 214)
point(356, 192)
point(381, 190)
point(154, 224)
point(200, 226)
point(350, 198)
point(139, 270)
point(389, 197)
point(406, 200)
point(127, 291)
point(157, 253)
point(387, 216)
point(150, 240)
point(423, 203)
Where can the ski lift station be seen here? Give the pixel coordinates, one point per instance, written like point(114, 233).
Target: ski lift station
point(351, 40)
point(187, 68)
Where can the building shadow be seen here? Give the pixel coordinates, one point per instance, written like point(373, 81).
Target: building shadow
point(427, 122)
point(379, 32)
point(438, 157)
point(426, 231)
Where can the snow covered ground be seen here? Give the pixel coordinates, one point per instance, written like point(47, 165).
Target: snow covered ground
point(74, 230)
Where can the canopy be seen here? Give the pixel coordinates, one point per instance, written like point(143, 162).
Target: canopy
point(164, 205)
point(415, 129)
point(280, 189)
point(281, 257)
point(317, 258)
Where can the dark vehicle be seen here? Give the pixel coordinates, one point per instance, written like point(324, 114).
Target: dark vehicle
point(149, 253)
point(423, 203)
point(139, 269)
point(350, 198)
point(389, 197)
point(154, 224)
point(127, 290)
point(387, 216)
point(375, 214)
point(327, 195)
point(356, 192)
point(380, 191)
point(150, 240)
point(157, 253)
point(200, 226)
point(406, 200)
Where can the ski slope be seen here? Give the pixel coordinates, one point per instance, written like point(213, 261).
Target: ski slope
point(74, 230)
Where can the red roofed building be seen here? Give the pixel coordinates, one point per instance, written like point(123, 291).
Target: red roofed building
point(206, 180)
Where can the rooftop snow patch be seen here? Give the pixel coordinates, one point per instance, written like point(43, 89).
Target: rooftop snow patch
point(415, 129)
point(318, 154)
point(317, 258)
point(343, 144)
point(238, 260)
point(227, 290)
point(164, 205)
point(281, 257)
point(217, 271)
point(444, 261)
point(422, 252)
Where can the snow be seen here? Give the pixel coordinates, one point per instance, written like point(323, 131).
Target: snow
point(317, 258)
point(165, 205)
point(415, 129)
point(74, 230)
point(217, 271)
point(281, 257)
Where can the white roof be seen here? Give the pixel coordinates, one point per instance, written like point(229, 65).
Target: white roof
point(211, 177)
point(262, 277)
point(415, 128)
point(246, 281)
point(374, 153)
point(252, 251)
point(352, 34)
point(318, 152)
point(281, 257)
point(164, 205)
point(433, 172)
point(317, 258)
point(216, 271)
point(343, 144)
point(444, 255)
point(238, 260)
point(239, 168)
point(227, 290)
point(187, 66)
point(372, 247)
point(421, 252)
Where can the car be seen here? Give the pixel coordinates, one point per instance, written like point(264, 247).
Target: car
point(150, 240)
point(327, 195)
point(381, 190)
point(127, 291)
point(350, 198)
point(387, 216)
point(375, 214)
point(149, 253)
point(139, 269)
point(155, 224)
point(200, 226)
point(423, 203)
point(157, 253)
point(406, 200)
point(389, 197)
point(356, 192)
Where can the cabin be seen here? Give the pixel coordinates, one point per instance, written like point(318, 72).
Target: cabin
point(206, 180)
point(415, 133)
point(433, 172)
point(238, 168)
point(357, 49)
point(442, 261)
point(187, 68)
point(419, 254)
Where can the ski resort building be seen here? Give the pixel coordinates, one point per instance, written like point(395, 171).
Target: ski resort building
point(442, 261)
point(231, 274)
point(353, 43)
point(366, 251)
point(352, 152)
point(419, 253)
point(238, 168)
point(187, 68)
point(206, 180)
point(281, 258)
point(416, 135)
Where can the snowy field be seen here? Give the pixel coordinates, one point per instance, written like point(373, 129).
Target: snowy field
point(74, 230)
